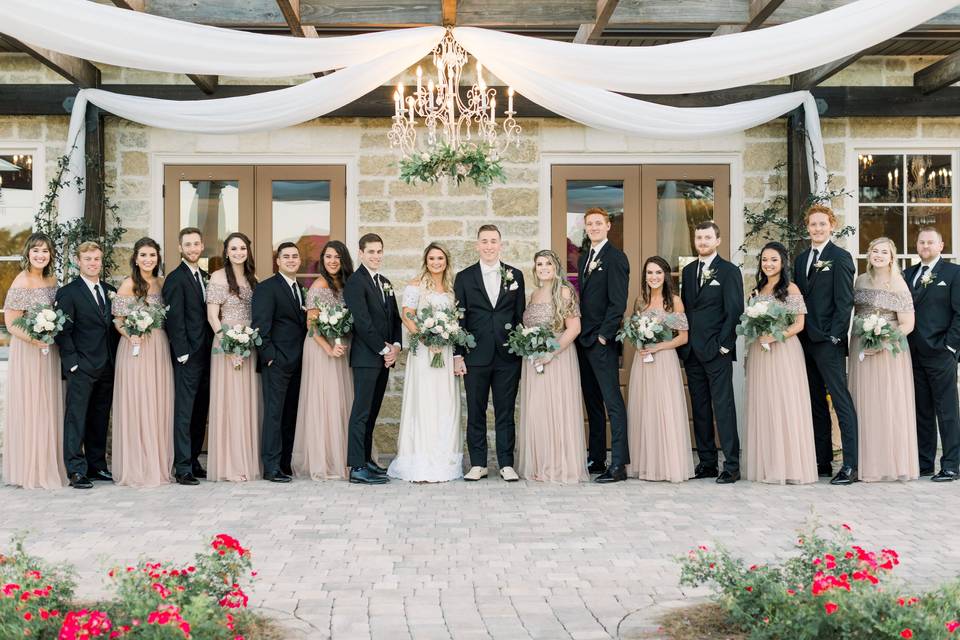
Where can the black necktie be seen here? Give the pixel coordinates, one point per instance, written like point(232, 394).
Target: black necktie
point(923, 271)
point(699, 273)
point(296, 293)
point(586, 268)
point(196, 275)
point(813, 262)
point(100, 302)
point(379, 282)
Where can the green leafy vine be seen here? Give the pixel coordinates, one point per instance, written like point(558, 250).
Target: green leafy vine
point(475, 162)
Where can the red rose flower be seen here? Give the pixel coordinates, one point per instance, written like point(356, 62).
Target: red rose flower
point(831, 608)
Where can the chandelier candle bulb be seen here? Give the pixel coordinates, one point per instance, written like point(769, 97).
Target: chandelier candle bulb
point(509, 101)
point(419, 80)
point(493, 111)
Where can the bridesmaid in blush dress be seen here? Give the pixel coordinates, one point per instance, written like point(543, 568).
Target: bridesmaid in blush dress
point(551, 446)
point(235, 411)
point(882, 383)
point(326, 387)
point(33, 438)
point(779, 439)
point(657, 422)
point(143, 387)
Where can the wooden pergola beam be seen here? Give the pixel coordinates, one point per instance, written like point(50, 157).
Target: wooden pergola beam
point(448, 12)
point(939, 75)
point(132, 5)
point(78, 71)
point(806, 80)
point(589, 33)
point(759, 11)
point(291, 13)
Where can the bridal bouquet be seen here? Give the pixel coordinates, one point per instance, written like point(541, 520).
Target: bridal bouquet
point(238, 341)
point(143, 320)
point(765, 318)
point(439, 327)
point(334, 322)
point(531, 342)
point(643, 330)
point(42, 323)
point(876, 332)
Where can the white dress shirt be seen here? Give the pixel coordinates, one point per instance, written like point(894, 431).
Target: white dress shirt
point(929, 265)
point(194, 272)
point(491, 281)
point(819, 249)
point(595, 250)
point(383, 296)
point(290, 283)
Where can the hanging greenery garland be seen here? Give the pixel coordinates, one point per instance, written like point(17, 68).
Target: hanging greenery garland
point(469, 161)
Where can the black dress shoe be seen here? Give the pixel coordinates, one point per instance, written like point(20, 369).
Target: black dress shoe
point(613, 474)
point(728, 477)
point(846, 475)
point(926, 473)
point(279, 476)
point(377, 469)
point(199, 472)
point(825, 470)
point(187, 479)
point(363, 475)
point(100, 476)
point(945, 476)
point(596, 467)
point(287, 471)
point(80, 481)
point(703, 471)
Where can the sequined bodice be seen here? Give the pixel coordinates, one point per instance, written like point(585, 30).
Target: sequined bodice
point(234, 310)
point(123, 305)
point(794, 303)
point(540, 314)
point(869, 301)
point(323, 297)
point(672, 320)
point(22, 298)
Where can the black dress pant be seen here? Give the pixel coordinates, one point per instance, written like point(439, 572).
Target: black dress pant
point(711, 396)
point(191, 402)
point(369, 387)
point(86, 420)
point(600, 382)
point(827, 373)
point(281, 395)
point(502, 377)
point(935, 385)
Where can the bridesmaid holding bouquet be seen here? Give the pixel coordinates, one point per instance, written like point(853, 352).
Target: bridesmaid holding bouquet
point(143, 388)
point(235, 410)
point(657, 422)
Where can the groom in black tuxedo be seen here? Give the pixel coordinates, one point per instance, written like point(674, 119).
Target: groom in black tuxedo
point(825, 274)
point(491, 294)
point(280, 315)
point(712, 294)
point(191, 338)
point(376, 345)
point(604, 274)
point(934, 346)
point(88, 350)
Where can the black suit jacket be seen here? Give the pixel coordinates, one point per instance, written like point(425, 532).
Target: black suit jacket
point(186, 325)
point(89, 339)
point(828, 294)
point(937, 309)
point(487, 322)
point(603, 294)
point(714, 311)
point(281, 321)
point(376, 321)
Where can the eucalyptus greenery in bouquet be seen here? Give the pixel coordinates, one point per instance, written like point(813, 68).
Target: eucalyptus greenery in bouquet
point(643, 330)
point(238, 341)
point(532, 343)
point(471, 161)
point(42, 323)
point(876, 332)
point(439, 327)
point(142, 320)
point(765, 318)
point(333, 322)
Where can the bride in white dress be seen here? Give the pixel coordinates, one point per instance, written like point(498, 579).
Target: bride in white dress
point(430, 445)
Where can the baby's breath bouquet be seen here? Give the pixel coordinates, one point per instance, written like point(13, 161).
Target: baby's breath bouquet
point(643, 330)
point(876, 332)
point(765, 318)
point(143, 320)
point(42, 323)
point(333, 322)
point(532, 343)
point(238, 341)
point(439, 327)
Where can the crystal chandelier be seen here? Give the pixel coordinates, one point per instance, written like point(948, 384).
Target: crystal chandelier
point(448, 119)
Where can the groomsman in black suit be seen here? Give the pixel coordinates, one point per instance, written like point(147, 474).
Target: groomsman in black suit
point(712, 293)
point(604, 275)
point(191, 338)
point(491, 294)
point(88, 349)
point(280, 315)
point(934, 344)
point(825, 275)
point(376, 345)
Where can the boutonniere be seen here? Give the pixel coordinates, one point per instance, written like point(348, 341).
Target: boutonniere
point(111, 295)
point(596, 265)
point(928, 279)
point(506, 277)
point(707, 275)
point(387, 288)
point(823, 265)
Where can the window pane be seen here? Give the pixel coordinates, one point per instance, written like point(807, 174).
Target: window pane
point(681, 205)
point(583, 195)
point(930, 178)
point(879, 222)
point(880, 178)
point(301, 214)
point(938, 217)
point(17, 208)
point(212, 206)
point(8, 271)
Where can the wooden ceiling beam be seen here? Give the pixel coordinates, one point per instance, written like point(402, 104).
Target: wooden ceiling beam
point(806, 80)
point(132, 5)
point(448, 12)
point(291, 13)
point(78, 71)
point(589, 33)
point(759, 11)
point(939, 75)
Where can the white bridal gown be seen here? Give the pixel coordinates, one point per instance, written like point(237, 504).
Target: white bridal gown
point(430, 446)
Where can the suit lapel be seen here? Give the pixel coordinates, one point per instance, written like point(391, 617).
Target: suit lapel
point(823, 257)
point(483, 286)
point(802, 281)
point(919, 294)
point(698, 287)
point(86, 293)
point(372, 286)
point(587, 275)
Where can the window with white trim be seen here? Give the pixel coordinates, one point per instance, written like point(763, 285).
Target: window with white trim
point(17, 208)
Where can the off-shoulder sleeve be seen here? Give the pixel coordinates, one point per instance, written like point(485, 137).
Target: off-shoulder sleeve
point(124, 305)
point(321, 297)
point(796, 304)
point(411, 296)
point(677, 321)
point(18, 298)
point(903, 301)
point(217, 293)
point(571, 308)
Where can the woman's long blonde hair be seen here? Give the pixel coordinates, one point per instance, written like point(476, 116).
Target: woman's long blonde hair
point(561, 307)
point(895, 273)
point(426, 279)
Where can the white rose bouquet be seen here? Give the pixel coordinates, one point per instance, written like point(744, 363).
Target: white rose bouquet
point(334, 322)
point(643, 330)
point(238, 341)
point(143, 320)
point(532, 343)
point(765, 318)
point(42, 323)
point(876, 332)
point(439, 327)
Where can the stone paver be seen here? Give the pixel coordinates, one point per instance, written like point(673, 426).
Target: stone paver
point(471, 561)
